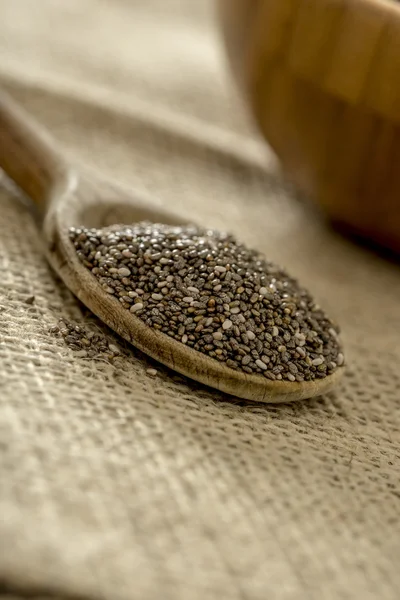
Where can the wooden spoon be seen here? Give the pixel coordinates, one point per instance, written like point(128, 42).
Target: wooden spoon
point(66, 197)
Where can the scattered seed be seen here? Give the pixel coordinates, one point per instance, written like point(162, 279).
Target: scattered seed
point(113, 348)
point(85, 344)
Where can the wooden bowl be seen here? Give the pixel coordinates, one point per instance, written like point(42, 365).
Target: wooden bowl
point(322, 78)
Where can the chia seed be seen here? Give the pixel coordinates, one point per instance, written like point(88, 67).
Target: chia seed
point(213, 294)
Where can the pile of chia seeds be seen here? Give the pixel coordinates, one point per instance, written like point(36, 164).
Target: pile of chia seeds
point(208, 291)
point(86, 344)
point(89, 344)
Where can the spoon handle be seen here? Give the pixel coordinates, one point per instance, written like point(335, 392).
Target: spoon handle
point(27, 156)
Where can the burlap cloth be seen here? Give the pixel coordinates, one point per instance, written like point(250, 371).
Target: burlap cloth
point(115, 485)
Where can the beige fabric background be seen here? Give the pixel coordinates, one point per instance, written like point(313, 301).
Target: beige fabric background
point(117, 486)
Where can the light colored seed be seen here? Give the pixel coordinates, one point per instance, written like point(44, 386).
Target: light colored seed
point(251, 335)
point(263, 291)
point(218, 288)
point(136, 307)
point(261, 364)
point(217, 335)
point(184, 339)
point(108, 289)
point(317, 361)
point(290, 377)
point(300, 350)
point(127, 253)
point(220, 269)
point(227, 324)
point(188, 299)
point(340, 359)
point(139, 291)
point(124, 272)
point(162, 284)
point(246, 359)
point(192, 289)
point(240, 290)
point(235, 310)
point(333, 332)
point(132, 294)
point(157, 297)
point(113, 348)
point(281, 348)
point(209, 321)
point(275, 331)
point(265, 359)
point(151, 372)
point(241, 318)
point(170, 278)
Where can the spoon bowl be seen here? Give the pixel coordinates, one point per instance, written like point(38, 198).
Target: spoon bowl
point(66, 198)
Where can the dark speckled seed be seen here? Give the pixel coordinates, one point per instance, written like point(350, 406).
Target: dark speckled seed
point(238, 307)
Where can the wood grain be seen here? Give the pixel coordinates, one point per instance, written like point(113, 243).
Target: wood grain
point(322, 78)
point(68, 197)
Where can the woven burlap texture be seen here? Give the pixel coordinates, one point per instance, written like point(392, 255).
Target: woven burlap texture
point(120, 486)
